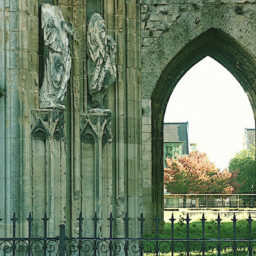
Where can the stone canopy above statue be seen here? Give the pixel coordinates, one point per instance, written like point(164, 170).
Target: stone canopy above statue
point(57, 58)
point(101, 61)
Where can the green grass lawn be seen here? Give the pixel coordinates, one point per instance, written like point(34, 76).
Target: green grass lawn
point(211, 232)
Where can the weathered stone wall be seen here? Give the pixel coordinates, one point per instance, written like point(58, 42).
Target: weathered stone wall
point(49, 165)
point(175, 36)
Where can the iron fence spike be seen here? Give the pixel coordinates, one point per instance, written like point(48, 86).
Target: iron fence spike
point(95, 222)
point(141, 219)
point(95, 218)
point(188, 219)
point(14, 219)
point(234, 218)
point(45, 219)
point(218, 218)
point(126, 217)
point(203, 218)
point(80, 218)
point(30, 219)
point(172, 219)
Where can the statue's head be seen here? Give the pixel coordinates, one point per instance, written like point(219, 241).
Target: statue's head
point(96, 37)
point(52, 17)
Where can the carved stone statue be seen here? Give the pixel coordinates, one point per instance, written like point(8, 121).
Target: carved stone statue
point(57, 59)
point(102, 60)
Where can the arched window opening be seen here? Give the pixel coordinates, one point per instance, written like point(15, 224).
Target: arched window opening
point(215, 44)
point(216, 108)
point(208, 112)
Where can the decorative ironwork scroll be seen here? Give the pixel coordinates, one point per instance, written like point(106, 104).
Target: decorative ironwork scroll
point(129, 244)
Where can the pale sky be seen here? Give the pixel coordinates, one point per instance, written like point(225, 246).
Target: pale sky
point(216, 107)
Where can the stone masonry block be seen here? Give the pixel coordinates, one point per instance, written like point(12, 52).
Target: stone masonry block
point(144, 8)
point(147, 41)
point(12, 59)
point(14, 5)
point(14, 21)
point(156, 16)
point(12, 41)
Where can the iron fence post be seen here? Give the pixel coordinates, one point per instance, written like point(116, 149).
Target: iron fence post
point(29, 219)
point(62, 240)
point(95, 223)
point(219, 236)
point(141, 242)
point(126, 233)
point(203, 234)
point(172, 233)
point(14, 219)
point(80, 223)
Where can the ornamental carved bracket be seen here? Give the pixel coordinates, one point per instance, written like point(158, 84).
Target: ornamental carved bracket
point(96, 123)
point(48, 124)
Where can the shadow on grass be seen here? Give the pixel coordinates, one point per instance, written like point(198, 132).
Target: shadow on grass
point(226, 242)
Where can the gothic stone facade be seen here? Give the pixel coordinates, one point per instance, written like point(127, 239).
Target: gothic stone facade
point(64, 157)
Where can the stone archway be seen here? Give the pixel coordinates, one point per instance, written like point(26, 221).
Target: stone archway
point(221, 47)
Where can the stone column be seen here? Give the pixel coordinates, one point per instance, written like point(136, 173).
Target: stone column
point(48, 169)
point(95, 132)
point(10, 143)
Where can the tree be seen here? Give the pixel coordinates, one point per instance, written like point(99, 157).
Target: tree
point(244, 162)
point(195, 173)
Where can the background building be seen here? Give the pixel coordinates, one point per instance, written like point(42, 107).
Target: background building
point(249, 138)
point(176, 140)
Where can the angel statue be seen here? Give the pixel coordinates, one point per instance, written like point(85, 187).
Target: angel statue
point(101, 62)
point(57, 59)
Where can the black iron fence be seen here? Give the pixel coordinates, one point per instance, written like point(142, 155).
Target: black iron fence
point(209, 201)
point(242, 240)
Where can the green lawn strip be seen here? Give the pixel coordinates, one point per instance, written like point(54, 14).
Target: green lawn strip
point(211, 231)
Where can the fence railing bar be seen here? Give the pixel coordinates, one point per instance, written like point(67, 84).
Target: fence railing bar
point(141, 245)
point(45, 220)
point(187, 244)
point(95, 224)
point(157, 220)
point(126, 233)
point(111, 219)
point(250, 234)
point(203, 234)
point(234, 235)
point(62, 240)
point(172, 233)
point(29, 219)
point(219, 236)
point(80, 232)
point(14, 219)
point(56, 238)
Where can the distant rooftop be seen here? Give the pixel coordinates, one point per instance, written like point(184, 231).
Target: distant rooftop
point(177, 132)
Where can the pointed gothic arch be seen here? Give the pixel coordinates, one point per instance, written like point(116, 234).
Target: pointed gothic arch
point(221, 47)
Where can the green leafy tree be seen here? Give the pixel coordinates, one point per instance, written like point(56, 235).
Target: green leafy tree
point(195, 173)
point(244, 163)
